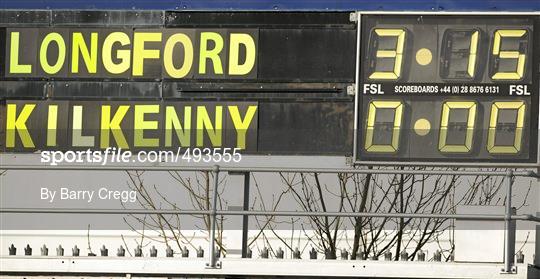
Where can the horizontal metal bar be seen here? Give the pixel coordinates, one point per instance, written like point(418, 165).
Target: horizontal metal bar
point(533, 218)
point(443, 12)
point(529, 173)
point(447, 164)
point(105, 211)
point(383, 215)
point(105, 168)
point(486, 217)
point(78, 267)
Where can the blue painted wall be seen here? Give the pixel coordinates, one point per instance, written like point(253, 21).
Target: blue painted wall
point(281, 5)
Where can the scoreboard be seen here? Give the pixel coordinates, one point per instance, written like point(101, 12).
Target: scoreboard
point(448, 89)
point(432, 88)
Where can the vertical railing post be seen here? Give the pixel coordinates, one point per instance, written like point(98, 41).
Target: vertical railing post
point(509, 245)
point(537, 244)
point(213, 215)
point(245, 218)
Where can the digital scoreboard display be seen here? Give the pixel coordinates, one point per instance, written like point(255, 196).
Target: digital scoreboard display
point(448, 89)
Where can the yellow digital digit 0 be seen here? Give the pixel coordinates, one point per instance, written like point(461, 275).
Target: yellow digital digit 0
point(396, 53)
point(509, 54)
point(469, 135)
point(492, 131)
point(370, 129)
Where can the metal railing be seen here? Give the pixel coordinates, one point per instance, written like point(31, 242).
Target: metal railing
point(508, 217)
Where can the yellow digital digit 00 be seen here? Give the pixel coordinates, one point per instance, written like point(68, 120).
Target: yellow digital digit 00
point(509, 54)
point(443, 133)
point(396, 53)
point(370, 129)
point(493, 121)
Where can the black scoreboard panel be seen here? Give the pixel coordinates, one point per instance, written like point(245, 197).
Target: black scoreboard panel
point(448, 89)
point(72, 66)
point(237, 47)
point(431, 87)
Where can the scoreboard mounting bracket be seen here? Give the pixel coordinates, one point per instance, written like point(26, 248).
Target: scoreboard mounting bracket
point(447, 89)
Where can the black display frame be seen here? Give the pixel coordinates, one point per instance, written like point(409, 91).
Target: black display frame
point(359, 159)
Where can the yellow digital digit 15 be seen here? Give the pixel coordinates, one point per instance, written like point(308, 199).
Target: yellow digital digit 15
point(509, 54)
point(473, 48)
point(396, 53)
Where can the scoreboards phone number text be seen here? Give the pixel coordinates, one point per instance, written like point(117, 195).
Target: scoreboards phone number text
point(447, 89)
